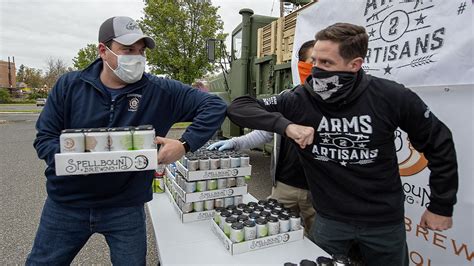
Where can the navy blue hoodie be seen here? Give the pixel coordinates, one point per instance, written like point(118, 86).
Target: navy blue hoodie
point(80, 100)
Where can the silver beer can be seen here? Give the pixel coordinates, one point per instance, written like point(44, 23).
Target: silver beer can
point(273, 226)
point(189, 187)
point(231, 182)
point(211, 184)
point(193, 164)
point(262, 227)
point(144, 137)
point(97, 140)
point(201, 186)
point(234, 161)
point(204, 163)
point(295, 221)
point(284, 221)
point(219, 203)
point(237, 232)
point(209, 205)
point(228, 201)
point(72, 140)
point(225, 162)
point(198, 206)
point(221, 183)
point(244, 160)
point(214, 162)
point(238, 200)
point(240, 181)
point(120, 139)
point(250, 230)
point(187, 207)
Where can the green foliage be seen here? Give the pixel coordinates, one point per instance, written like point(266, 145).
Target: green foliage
point(85, 56)
point(31, 76)
point(181, 29)
point(4, 96)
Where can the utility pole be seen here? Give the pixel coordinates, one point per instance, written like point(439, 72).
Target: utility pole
point(282, 9)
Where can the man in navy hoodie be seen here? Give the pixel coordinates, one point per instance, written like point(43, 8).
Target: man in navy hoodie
point(342, 122)
point(113, 91)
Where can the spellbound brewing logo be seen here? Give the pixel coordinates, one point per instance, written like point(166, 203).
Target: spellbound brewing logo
point(401, 37)
point(123, 163)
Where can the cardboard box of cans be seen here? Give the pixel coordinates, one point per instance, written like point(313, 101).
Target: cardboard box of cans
point(255, 227)
point(203, 164)
point(187, 217)
point(192, 191)
point(106, 150)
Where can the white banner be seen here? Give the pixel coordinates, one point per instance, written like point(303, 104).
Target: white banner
point(415, 42)
point(426, 45)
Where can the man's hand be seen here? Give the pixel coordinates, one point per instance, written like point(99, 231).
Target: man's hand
point(222, 145)
point(435, 222)
point(170, 150)
point(302, 135)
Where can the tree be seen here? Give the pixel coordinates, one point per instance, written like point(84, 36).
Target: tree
point(181, 29)
point(54, 70)
point(20, 74)
point(32, 77)
point(85, 56)
point(4, 96)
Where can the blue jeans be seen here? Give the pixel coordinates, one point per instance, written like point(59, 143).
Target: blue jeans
point(63, 231)
point(382, 245)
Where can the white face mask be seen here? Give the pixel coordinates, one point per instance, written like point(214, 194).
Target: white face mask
point(130, 68)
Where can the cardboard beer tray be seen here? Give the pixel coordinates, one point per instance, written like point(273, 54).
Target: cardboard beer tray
point(189, 217)
point(212, 174)
point(206, 195)
point(105, 162)
point(256, 244)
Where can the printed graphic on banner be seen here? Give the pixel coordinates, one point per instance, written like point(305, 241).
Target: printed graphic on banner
point(415, 42)
point(410, 161)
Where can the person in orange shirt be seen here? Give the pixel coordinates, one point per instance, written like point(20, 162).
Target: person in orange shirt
point(305, 61)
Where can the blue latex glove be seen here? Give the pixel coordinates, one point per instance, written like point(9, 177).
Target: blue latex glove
point(222, 145)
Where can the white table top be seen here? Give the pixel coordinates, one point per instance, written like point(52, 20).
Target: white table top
point(194, 243)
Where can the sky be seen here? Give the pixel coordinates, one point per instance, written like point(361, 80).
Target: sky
point(34, 31)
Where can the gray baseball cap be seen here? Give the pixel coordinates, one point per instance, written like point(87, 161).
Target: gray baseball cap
point(123, 30)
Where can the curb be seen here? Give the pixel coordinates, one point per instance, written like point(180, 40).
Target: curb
point(3, 121)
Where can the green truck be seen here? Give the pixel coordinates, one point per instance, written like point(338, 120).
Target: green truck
point(260, 61)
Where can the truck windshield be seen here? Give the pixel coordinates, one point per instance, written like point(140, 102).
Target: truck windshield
point(237, 44)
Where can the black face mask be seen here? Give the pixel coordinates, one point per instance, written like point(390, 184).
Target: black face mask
point(326, 83)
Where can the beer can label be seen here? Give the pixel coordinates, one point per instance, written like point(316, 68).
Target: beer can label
point(120, 141)
point(97, 141)
point(72, 142)
point(143, 139)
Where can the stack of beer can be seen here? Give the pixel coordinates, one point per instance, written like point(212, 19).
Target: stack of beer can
point(244, 222)
point(217, 186)
point(107, 139)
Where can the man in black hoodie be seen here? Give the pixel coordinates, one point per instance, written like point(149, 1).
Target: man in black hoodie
point(344, 122)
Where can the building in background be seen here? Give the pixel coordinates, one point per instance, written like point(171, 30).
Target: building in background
point(8, 74)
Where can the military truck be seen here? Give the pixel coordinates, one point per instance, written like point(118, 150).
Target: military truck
point(259, 64)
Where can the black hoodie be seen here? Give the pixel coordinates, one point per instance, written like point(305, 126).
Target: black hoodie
point(351, 167)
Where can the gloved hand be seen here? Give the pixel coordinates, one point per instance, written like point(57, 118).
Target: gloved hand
point(222, 145)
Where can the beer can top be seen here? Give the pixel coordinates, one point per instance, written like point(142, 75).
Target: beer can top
point(231, 207)
point(275, 212)
point(264, 214)
point(254, 215)
point(249, 223)
point(272, 219)
point(72, 130)
point(220, 209)
point(340, 258)
point(272, 201)
point(261, 221)
point(262, 202)
point(236, 212)
point(258, 209)
point(294, 215)
point(226, 213)
point(144, 127)
point(230, 219)
point(283, 217)
point(237, 226)
point(252, 204)
point(242, 218)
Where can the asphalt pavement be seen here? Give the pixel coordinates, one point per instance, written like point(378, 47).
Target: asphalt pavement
point(22, 190)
